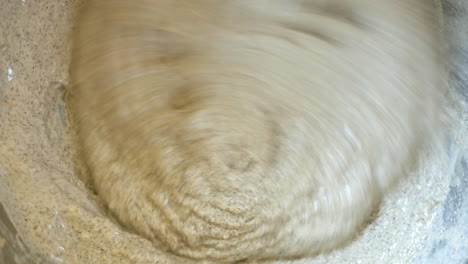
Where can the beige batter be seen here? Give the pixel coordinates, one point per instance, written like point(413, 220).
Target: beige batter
point(53, 213)
point(232, 130)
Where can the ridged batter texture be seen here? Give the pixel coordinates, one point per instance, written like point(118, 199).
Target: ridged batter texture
point(225, 130)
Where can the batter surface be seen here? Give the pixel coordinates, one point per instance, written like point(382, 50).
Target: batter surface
point(230, 130)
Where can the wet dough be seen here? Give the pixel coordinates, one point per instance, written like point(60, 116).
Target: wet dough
point(227, 130)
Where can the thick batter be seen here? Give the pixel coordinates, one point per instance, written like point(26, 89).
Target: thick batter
point(230, 130)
